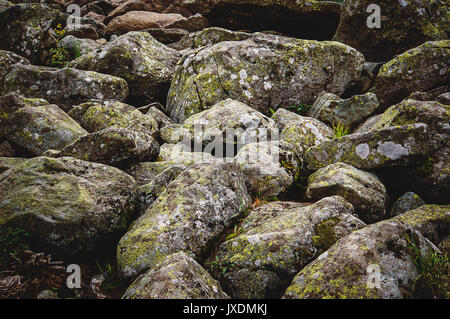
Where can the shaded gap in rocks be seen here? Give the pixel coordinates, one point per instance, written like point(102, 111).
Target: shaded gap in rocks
point(311, 26)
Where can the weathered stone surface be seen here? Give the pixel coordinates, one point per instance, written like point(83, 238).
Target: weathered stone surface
point(23, 29)
point(168, 36)
point(70, 207)
point(277, 240)
point(362, 189)
point(405, 203)
point(418, 69)
point(7, 60)
point(283, 118)
point(304, 133)
point(263, 71)
point(36, 125)
point(113, 146)
point(4, 4)
point(344, 270)
point(176, 153)
point(189, 215)
point(394, 146)
point(6, 149)
point(64, 87)
point(229, 122)
point(432, 221)
point(430, 95)
point(178, 276)
point(269, 170)
point(162, 120)
point(94, 116)
point(330, 108)
point(404, 25)
point(137, 57)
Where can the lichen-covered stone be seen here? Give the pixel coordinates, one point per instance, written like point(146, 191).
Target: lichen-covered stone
point(207, 37)
point(227, 122)
point(269, 170)
point(9, 162)
point(178, 276)
point(431, 177)
point(137, 57)
point(84, 45)
point(113, 146)
point(264, 71)
point(307, 132)
point(189, 215)
point(405, 203)
point(36, 126)
point(64, 87)
point(23, 29)
point(7, 60)
point(283, 118)
point(349, 267)
point(149, 192)
point(362, 189)
point(331, 109)
point(162, 120)
point(419, 69)
point(404, 25)
point(94, 116)
point(277, 240)
point(176, 153)
point(70, 207)
point(432, 221)
point(393, 146)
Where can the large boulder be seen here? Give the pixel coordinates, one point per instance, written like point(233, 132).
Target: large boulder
point(137, 57)
point(36, 128)
point(24, 29)
point(178, 276)
point(394, 146)
point(277, 240)
point(189, 215)
point(145, 172)
point(70, 207)
point(374, 262)
point(404, 25)
point(419, 69)
point(265, 71)
point(431, 178)
point(113, 146)
point(65, 87)
point(362, 189)
point(227, 122)
point(141, 20)
point(405, 203)
point(95, 116)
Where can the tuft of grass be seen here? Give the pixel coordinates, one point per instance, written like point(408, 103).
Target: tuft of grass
point(300, 109)
point(13, 241)
point(433, 269)
point(340, 130)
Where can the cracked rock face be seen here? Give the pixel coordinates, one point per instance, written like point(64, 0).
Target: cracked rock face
point(86, 205)
point(277, 240)
point(189, 215)
point(345, 270)
point(178, 276)
point(263, 71)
